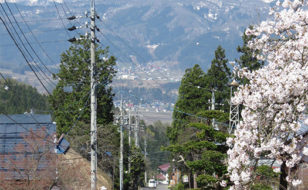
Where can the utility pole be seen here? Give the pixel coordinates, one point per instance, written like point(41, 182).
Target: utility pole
point(136, 130)
point(129, 138)
point(93, 102)
point(213, 106)
point(121, 146)
point(145, 154)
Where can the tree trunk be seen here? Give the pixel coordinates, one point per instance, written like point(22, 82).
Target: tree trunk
point(283, 184)
point(195, 181)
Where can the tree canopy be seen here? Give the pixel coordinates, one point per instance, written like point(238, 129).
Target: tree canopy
point(192, 98)
point(218, 78)
point(192, 136)
point(274, 100)
point(17, 97)
point(70, 98)
point(248, 58)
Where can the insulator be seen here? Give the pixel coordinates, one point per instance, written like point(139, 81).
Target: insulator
point(72, 39)
point(86, 13)
point(72, 28)
point(71, 18)
point(98, 29)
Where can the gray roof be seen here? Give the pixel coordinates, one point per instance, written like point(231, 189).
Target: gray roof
point(25, 118)
point(12, 129)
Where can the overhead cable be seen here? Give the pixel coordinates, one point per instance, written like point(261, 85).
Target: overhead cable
point(29, 44)
point(23, 54)
point(35, 38)
point(25, 48)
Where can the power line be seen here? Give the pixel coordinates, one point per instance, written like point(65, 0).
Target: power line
point(82, 109)
point(41, 20)
point(60, 17)
point(128, 60)
point(45, 31)
point(34, 64)
point(26, 129)
point(31, 47)
point(189, 114)
point(27, 50)
point(75, 122)
point(199, 117)
point(18, 35)
point(42, 42)
point(68, 16)
point(67, 7)
point(24, 56)
point(175, 109)
point(4, 78)
point(72, 13)
point(35, 38)
point(113, 43)
point(20, 124)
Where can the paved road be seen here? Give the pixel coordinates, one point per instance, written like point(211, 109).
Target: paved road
point(159, 187)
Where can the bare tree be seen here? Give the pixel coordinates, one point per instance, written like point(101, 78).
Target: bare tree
point(32, 164)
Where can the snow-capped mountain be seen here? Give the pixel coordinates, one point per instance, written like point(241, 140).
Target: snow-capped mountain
point(179, 33)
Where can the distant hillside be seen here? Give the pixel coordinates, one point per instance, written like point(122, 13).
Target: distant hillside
point(179, 33)
point(17, 97)
point(165, 93)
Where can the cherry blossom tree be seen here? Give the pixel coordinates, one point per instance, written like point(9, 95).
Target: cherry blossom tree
point(32, 165)
point(275, 100)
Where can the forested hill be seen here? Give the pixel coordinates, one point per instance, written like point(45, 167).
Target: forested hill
point(17, 97)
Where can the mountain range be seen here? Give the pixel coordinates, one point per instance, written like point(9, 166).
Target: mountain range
point(175, 33)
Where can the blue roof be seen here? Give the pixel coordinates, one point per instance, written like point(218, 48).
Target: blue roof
point(63, 146)
point(25, 119)
point(12, 129)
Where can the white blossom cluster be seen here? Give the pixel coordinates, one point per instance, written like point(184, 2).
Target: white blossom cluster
point(275, 99)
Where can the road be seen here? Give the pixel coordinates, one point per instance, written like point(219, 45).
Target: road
point(159, 187)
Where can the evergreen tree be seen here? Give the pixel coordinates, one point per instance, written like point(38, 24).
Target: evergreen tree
point(211, 149)
point(193, 102)
point(192, 98)
point(192, 137)
point(71, 94)
point(203, 155)
point(248, 56)
point(137, 168)
point(18, 98)
point(217, 78)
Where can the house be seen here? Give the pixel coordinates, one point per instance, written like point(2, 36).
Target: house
point(163, 172)
point(27, 147)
